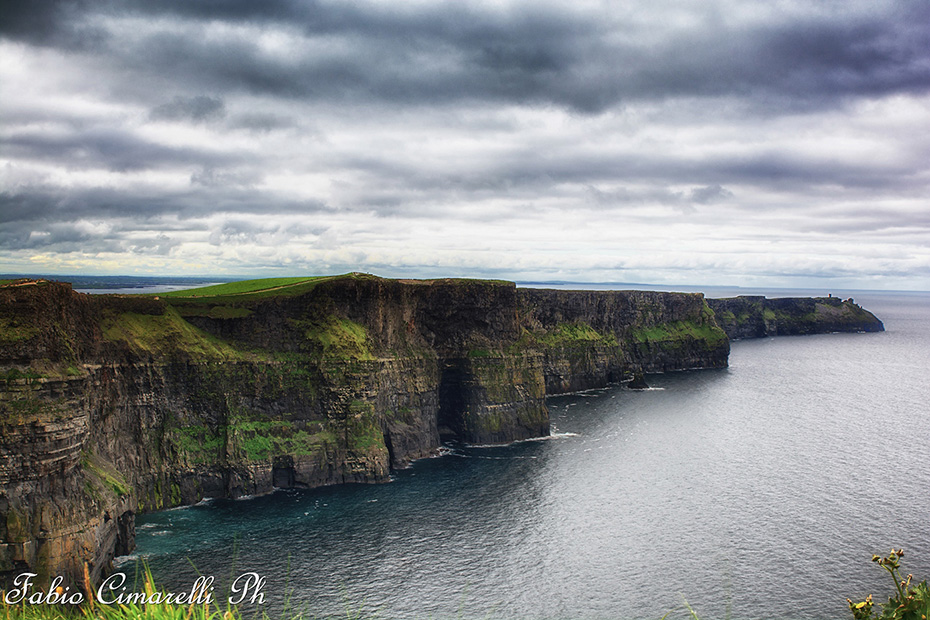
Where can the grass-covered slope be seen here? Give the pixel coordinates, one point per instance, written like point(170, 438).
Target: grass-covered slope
point(165, 335)
point(264, 287)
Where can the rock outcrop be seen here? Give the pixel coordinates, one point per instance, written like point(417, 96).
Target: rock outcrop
point(115, 405)
point(759, 317)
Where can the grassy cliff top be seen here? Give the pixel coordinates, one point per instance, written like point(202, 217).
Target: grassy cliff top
point(246, 290)
point(259, 288)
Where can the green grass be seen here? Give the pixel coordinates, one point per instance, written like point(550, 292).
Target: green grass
point(105, 474)
point(30, 408)
point(239, 288)
point(679, 331)
point(336, 338)
point(248, 290)
point(562, 335)
point(12, 331)
point(166, 335)
point(197, 444)
point(568, 333)
point(211, 311)
point(259, 440)
point(363, 431)
point(11, 376)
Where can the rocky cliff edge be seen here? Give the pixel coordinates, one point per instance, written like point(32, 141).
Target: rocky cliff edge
point(115, 405)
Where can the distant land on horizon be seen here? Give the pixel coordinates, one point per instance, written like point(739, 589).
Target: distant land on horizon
point(101, 282)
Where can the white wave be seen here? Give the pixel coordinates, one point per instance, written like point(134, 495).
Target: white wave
point(132, 558)
point(512, 443)
point(550, 437)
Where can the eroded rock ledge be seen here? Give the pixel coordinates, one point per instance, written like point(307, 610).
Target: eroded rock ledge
point(115, 405)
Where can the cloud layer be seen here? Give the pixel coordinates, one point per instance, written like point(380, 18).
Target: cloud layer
point(725, 142)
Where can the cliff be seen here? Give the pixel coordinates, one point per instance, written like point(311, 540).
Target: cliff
point(114, 405)
point(759, 317)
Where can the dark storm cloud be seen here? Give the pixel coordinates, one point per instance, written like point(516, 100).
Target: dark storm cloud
point(197, 109)
point(34, 206)
point(393, 187)
point(112, 149)
point(66, 24)
point(709, 194)
point(262, 122)
point(209, 176)
point(583, 61)
point(78, 237)
point(775, 169)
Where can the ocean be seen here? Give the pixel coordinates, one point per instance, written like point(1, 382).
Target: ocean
point(758, 491)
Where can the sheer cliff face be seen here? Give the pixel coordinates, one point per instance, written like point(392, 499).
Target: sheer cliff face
point(759, 317)
point(114, 405)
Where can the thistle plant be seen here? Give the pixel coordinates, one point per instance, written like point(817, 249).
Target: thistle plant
point(908, 603)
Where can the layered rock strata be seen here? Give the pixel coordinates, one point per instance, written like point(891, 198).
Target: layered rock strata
point(115, 405)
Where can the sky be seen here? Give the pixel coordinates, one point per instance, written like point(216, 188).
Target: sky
point(722, 142)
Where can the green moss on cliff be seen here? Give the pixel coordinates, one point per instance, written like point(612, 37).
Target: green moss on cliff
point(26, 407)
point(29, 376)
point(16, 526)
point(166, 335)
point(212, 311)
point(679, 332)
point(363, 429)
point(567, 334)
point(104, 475)
point(336, 338)
point(563, 335)
point(260, 440)
point(197, 444)
point(13, 330)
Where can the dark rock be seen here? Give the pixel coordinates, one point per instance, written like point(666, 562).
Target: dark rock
point(638, 382)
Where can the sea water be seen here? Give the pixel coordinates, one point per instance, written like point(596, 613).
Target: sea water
point(757, 491)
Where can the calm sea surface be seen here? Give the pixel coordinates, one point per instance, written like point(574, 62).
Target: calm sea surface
point(758, 491)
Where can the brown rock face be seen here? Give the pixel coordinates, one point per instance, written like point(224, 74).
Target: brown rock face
point(111, 406)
